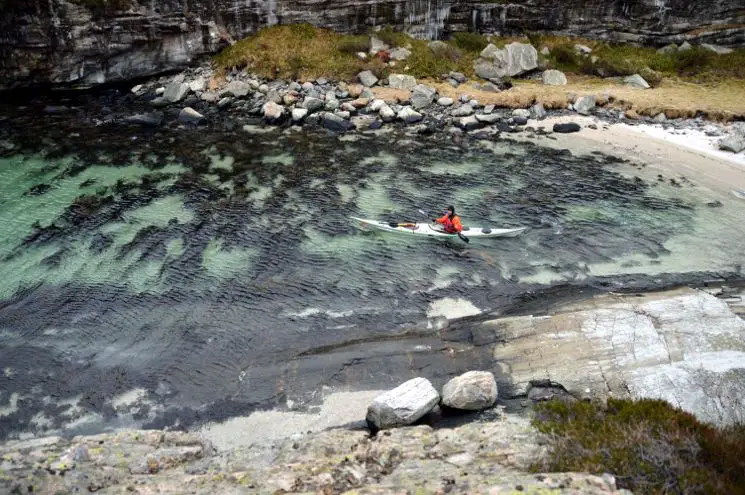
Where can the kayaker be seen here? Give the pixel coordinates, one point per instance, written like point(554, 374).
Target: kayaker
point(450, 221)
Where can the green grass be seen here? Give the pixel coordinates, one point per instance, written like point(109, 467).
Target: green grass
point(650, 446)
point(696, 64)
point(305, 52)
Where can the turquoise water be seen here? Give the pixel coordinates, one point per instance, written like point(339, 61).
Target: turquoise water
point(216, 271)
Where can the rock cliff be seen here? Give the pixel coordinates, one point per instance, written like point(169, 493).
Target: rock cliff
point(88, 42)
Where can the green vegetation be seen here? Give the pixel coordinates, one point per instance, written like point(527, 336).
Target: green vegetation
point(470, 42)
point(608, 60)
point(650, 446)
point(305, 52)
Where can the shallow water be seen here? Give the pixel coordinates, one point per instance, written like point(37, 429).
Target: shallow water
point(167, 278)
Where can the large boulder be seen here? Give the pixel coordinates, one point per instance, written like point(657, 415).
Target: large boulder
point(538, 111)
point(553, 77)
point(512, 60)
point(734, 143)
point(176, 91)
point(471, 391)
point(719, 50)
point(585, 105)
point(367, 78)
point(403, 405)
point(636, 81)
point(386, 113)
point(422, 96)
point(401, 81)
point(335, 122)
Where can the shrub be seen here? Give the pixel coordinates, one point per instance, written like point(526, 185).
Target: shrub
point(390, 37)
point(354, 44)
point(650, 446)
point(470, 42)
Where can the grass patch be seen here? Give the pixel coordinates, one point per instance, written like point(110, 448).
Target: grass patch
point(697, 64)
point(470, 42)
point(650, 446)
point(304, 52)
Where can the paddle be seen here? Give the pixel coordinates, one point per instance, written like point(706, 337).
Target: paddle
point(462, 237)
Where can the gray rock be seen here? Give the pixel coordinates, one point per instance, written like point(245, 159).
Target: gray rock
point(299, 114)
point(409, 115)
point(263, 88)
point(553, 77)
point(403, 405)
point(399, 54)
point(348, 107)
point(236, 89)
point(521, 112)
point(176, 92)
point(462, 111)
point(137, 90)
point(198, 85)
point(254, 84)
point(519, 120)
point(719, 50)
point(471, 391)
point(538, 111)
point(272, 111)
point(307, 86)
point(274, 96)
point(488, 109)
point(636, 81)
point(671, 48)
point(377, 104)
point(487, 118)
point(367, 78)
point(545, 51)
point(445, 101)
point(343, 114)
point(153, 119)
point(514, 59)
point(685, 46)
point(469, 123)
point(159, 91)
point(474, 104)
point(584, 49)
point(190, 116)
point(490, 87)
point(377, 45)
point(386, 113)
point(453, 82)
point(458, 77)
point(734, 143)
point(332, 104)
point(224, 102)
point(209, 97)
point(295, 86)
point(422, 96)
point(437, 47)
point(312, 104)
point(367, 93)
point(334, 122)
point(401, 81)
point(159, 102)
point(321, 81)
point(585, 105)
point(660, 117)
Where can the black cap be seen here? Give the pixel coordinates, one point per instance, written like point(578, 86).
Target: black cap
point(452, 208)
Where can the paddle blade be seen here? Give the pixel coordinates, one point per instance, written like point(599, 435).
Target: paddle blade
point(464, 238)
point(422, 212)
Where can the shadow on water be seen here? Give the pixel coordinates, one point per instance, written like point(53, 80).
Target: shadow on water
point(168, 277)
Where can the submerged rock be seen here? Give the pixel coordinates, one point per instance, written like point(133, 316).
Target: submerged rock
point(567, 128)
point(153, 119)
point(403, 405)
point(471, 391)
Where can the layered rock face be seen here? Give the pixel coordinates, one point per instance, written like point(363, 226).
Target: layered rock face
point(88, 42)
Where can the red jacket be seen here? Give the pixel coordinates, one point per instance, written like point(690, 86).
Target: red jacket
point(452, 225)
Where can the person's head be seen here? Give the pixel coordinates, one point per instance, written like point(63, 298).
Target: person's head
point(450, 211)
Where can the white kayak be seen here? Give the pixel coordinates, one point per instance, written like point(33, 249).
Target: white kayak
point(431, 230)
